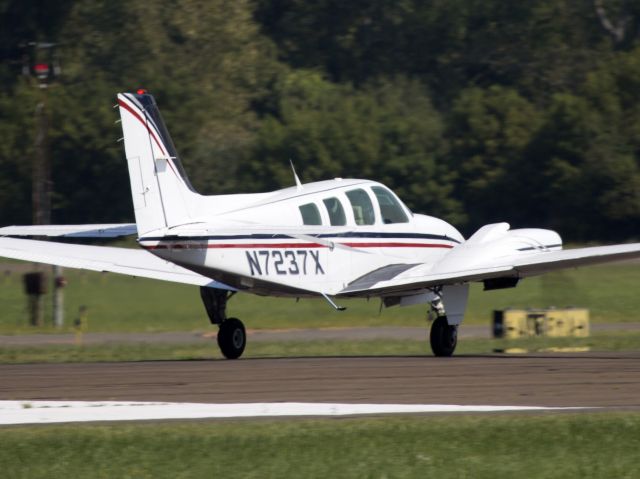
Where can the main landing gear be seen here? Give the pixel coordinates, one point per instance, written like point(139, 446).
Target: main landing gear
point(443, 336)
point(232, 337)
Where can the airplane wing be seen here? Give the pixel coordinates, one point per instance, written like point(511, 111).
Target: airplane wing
point(112, 230)
point(399, 279)
point(103, 258)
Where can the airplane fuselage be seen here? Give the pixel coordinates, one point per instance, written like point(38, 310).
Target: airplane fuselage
point(304, 241)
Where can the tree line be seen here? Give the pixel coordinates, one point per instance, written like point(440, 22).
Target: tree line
point(473, 111)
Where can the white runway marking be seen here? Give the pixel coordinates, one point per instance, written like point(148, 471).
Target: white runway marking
point(40, 412)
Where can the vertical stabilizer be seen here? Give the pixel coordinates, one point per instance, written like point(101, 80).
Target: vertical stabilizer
point(160, 189)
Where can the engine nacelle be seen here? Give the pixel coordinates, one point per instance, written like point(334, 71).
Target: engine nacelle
point(495, 241)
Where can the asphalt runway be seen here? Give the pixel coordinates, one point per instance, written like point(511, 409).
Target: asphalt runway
point(606, 380)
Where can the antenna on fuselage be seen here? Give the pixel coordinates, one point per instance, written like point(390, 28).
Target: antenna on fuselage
point(295, 175)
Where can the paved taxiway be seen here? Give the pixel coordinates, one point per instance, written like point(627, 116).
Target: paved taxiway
point(610, 380)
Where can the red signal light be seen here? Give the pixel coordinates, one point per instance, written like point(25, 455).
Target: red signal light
point(141, 91)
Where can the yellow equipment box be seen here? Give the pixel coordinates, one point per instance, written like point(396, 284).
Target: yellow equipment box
point(519, 323)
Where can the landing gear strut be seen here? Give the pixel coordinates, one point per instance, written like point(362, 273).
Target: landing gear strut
point(232, 337)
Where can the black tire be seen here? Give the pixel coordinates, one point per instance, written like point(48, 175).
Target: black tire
point(232, 338)
point(443, 337)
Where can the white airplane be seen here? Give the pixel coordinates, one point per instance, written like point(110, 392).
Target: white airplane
point(332, 239)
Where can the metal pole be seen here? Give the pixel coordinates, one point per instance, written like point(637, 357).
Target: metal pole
point(58, 297)
point(41, 193)
point(38, 196)
point(42, 186)
point(44, 67)
point(43, 213)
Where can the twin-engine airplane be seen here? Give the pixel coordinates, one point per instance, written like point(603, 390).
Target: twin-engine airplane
point(333, 239)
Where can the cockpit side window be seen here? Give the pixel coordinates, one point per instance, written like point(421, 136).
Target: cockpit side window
point(336, 212)
point(310, 214)
point(390, 207)
point(362, 207)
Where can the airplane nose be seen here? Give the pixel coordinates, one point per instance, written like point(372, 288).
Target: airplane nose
point(452, 232)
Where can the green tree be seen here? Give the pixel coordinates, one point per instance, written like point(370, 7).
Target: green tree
point(490, 131)
point(17, 131)
point(532, 45)
point(530, 109)
point(205, 64)
point(386, 131)
point(588, 176)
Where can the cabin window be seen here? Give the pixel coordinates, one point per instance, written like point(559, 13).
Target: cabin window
point(390, 208)
point(310, 214)
point(336, 212)
point(362, 207)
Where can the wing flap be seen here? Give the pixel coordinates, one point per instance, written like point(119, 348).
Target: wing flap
point(417, 277)
point(103, 258)
point(108, 230)
point(408, 282)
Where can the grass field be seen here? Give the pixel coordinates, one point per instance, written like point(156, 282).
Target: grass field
point(121, 303)
point(588, 445)
point(491, 446)
point(628, 341)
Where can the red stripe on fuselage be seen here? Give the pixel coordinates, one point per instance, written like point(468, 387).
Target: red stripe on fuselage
point(295, 245)
point(397, 245)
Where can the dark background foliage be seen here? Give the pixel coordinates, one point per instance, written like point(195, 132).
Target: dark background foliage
point(474, 111)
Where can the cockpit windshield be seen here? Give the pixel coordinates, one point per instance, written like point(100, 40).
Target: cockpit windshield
point(390, 208)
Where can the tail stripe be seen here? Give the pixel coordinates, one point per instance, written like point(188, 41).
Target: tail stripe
point(149, 120)
point(153, 135)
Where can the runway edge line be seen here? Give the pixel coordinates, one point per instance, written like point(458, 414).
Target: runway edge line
point(45, 412)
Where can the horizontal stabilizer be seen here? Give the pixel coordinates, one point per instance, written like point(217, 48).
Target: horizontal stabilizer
point(112, 230)
point(103, 258)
